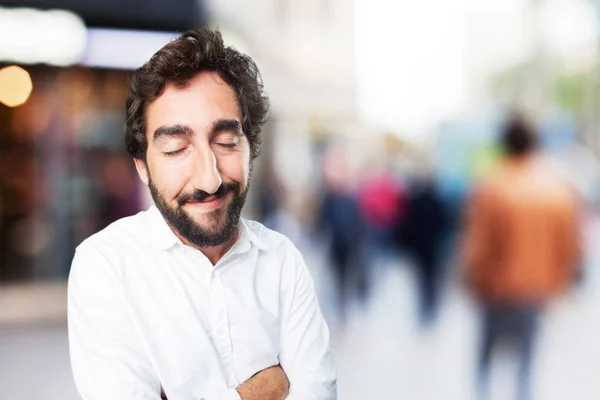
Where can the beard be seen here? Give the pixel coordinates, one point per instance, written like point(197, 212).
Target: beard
point(223, 222)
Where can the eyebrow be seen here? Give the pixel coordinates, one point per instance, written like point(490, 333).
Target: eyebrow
point(230, 125)
point(171, 131)
point(219, 125)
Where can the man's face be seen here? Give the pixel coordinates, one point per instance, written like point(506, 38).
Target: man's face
point(198, 159)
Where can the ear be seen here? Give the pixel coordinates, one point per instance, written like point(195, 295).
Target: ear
point(142, 170)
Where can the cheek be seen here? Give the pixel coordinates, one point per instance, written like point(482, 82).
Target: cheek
point(169, 179)
point(235, 167)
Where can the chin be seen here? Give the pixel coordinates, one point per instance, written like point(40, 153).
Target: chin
point(213, 220)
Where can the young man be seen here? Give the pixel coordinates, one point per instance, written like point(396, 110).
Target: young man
point(187, 298)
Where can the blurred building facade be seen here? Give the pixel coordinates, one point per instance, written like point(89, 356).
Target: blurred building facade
point(305, 51)
point(64, 172)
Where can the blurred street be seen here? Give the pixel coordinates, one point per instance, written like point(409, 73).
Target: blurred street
point(381, 354)
point(384, 355)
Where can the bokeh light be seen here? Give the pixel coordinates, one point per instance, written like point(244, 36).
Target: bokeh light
point(15, 86)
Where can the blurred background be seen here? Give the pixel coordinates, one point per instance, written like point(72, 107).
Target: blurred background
point(384, 115)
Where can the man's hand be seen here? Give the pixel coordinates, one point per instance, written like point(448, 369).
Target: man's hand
point(269, 384)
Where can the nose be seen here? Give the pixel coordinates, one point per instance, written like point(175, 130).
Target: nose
point(205, 174)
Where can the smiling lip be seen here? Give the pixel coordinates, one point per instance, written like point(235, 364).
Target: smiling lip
point(208, 204)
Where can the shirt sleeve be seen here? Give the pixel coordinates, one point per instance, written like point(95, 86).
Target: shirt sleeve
point(305, 355)
point(107, 360)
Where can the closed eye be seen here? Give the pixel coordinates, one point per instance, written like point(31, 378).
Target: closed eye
point(228, 145)
point(174, 152)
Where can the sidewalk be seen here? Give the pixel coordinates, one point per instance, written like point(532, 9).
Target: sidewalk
point(381, 355)
point(34, 361)
point(33, 303)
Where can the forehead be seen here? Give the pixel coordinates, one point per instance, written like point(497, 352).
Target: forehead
point(205, 99)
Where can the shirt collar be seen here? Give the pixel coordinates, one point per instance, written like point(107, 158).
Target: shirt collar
point(247, 235)
point(161, 237)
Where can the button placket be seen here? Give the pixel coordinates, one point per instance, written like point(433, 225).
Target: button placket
point(218, 296)
point(222, 325)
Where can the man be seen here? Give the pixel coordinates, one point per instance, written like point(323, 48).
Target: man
point(186, 298)
point(522, 247)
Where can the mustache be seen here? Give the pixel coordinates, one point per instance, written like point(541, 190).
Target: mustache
point(201, 195)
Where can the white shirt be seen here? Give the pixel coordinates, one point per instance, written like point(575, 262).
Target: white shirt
point(147, 311)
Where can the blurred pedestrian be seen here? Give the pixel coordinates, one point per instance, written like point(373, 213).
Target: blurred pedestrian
point(381, 203)
point(339, 221)
point(381, 198)
point(421, 234)
point(521, 248)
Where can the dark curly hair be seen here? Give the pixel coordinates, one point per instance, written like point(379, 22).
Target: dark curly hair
point(179, 61)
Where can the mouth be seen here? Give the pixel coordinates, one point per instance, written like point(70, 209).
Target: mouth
point(210, 203)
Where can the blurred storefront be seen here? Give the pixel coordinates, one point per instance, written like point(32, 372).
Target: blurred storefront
point(64, 172)
point(305, 51)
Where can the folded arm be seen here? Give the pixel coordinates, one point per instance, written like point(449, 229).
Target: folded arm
point(305, 354)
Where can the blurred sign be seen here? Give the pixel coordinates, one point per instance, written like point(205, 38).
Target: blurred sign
point(60, 38)
point(122, 49)
point(29, 36)
point(131, 14)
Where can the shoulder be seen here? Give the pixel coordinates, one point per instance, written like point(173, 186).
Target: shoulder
point(121, 235)
point(484, 186)
point(269, 238)
point(110, 249)
point(277, 248)
point(283, 255)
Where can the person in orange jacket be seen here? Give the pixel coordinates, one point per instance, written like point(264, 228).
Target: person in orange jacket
point(521, 247)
